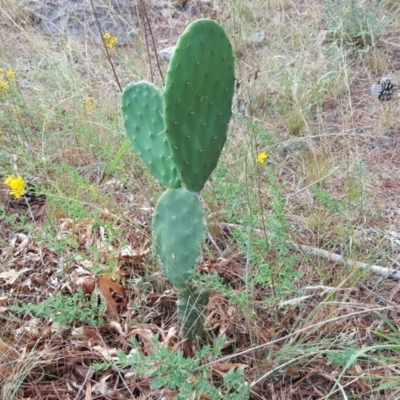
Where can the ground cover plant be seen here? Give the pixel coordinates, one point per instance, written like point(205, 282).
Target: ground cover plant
point(301, 215)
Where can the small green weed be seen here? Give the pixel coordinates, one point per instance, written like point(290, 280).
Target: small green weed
point(323, 196)
point(270, 256)
point(281, 269)
point(66, 310)
point(354, 22)
point(171, 370)
point(342, 357)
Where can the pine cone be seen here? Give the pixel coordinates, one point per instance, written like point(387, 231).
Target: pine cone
point(385, 89)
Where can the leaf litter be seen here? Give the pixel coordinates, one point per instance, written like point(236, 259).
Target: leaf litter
point(52, 361)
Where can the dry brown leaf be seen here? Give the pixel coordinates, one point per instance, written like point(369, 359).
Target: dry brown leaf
point(128, 253)
point(8, 357)
point(88, 392)
point(114, 286)
point(82, 225)
point(101, 386)
point(107, 353)
point(106, 286)
point(66, 224)
point(146, 335)
point(171, 340)
point(106, 216)
point(38, 281)
point(3, 300)
point(223, 368)
point(12, 275)
point(19, 242)
point(117, 326)
point(87, 283)
point(90, 333)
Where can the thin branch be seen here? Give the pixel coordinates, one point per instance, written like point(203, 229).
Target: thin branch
point(375, 269)
point(313, 183)
point(144, 21)
point(147, 21)
point(290, 335)
point(105, 46)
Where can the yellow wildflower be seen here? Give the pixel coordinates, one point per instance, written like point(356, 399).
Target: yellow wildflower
point(88, 103)
point(16, 184)
point(15, 110)
point(110, 40)
point(11, 73)
point(261, 157)
point(4, 85)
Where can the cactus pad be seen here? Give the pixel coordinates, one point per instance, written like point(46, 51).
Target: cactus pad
point(197, 97)
point(142, 109)
point(178, 231)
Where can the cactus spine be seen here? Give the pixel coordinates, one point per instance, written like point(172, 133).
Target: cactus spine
point(180, 134)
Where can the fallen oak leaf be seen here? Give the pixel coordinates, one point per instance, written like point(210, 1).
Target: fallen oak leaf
point(106, 286)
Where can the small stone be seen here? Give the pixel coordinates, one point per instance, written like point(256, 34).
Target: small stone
point(166, 54)
point(75, 18)
point(322, 37)
point(257, 38)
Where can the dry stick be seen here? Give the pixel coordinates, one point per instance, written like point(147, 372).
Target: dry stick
point(310, 327)
point(352, 264)
point(382, 271)
point(141, 6)
point(375, 269)
point(367, 289)
point(146, 16)
point(105, 46)
point(279, 367)
point(313, 183)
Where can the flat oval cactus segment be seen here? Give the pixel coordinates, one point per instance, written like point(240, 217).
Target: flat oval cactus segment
point(178, 231)
point(197, 98)
point(142, 107)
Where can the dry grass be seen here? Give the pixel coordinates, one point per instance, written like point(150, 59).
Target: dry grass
point(305, 98)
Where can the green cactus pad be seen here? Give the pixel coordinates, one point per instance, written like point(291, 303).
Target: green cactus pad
point(197, 97)
point(192, 305)
point(178, 231)
point(142, 108)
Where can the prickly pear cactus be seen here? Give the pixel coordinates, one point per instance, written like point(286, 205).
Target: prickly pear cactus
point(197, 97)
point(180, 134)
point(178, 231)
point(142, 110)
